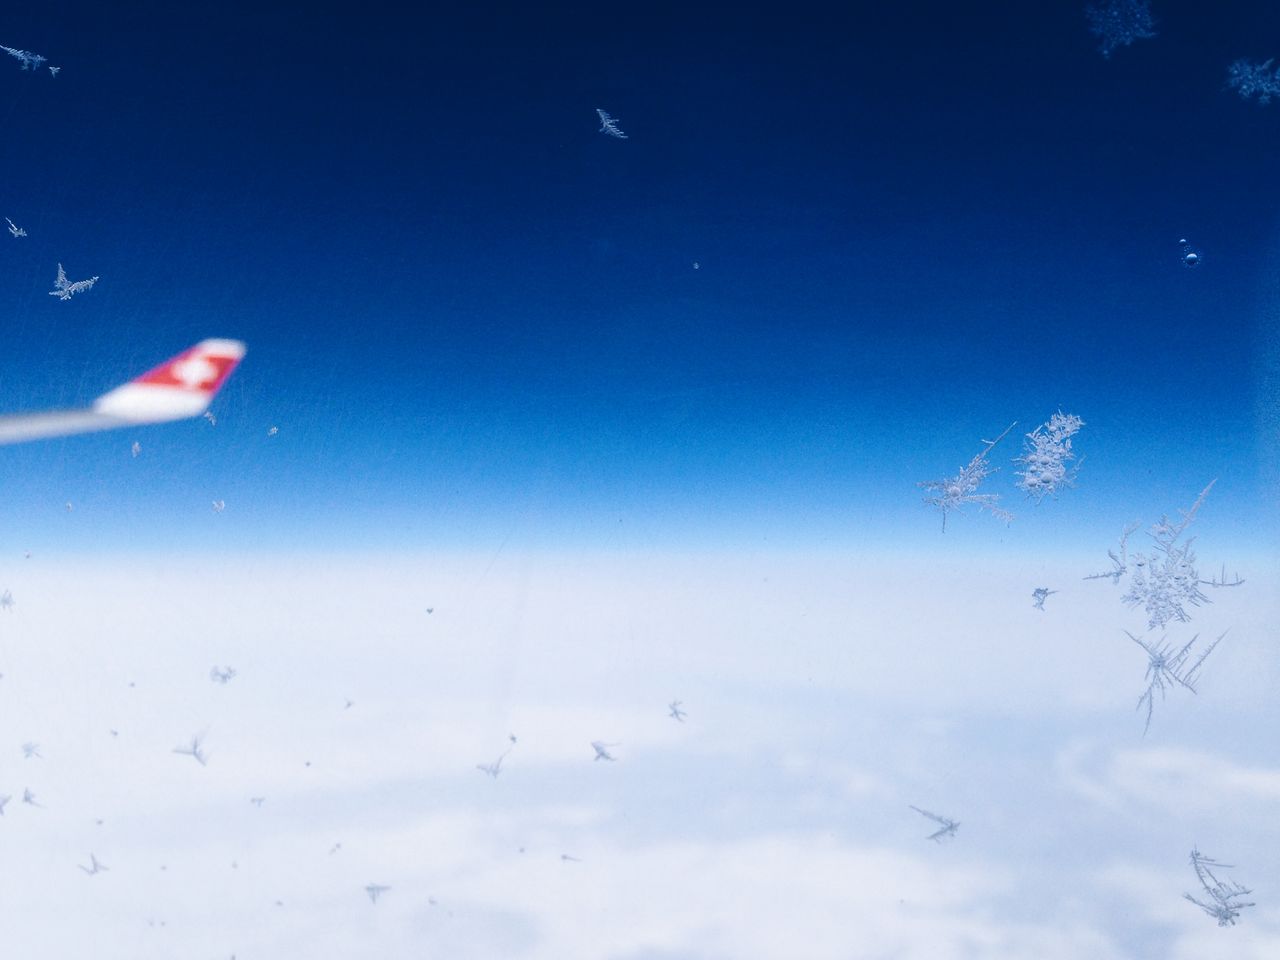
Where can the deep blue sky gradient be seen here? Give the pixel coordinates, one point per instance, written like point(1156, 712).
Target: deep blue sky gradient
point(471, 314)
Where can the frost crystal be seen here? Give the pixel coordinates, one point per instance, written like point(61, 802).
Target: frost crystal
point(1165, 669)
point(1039, 595)
point(1117, 23)
point(495, 768)
point(1046, 452)
point(14, 229)
point(95, 866)
point(609, 125)
point(1254, 80)
point(1224, 896)
point(63, 289)
point(195, 750)
point(30, 61)
point(953, 492)
point(1165, 582)
point(947, 829)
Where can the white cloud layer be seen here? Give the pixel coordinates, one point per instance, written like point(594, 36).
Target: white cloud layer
point(824, 695)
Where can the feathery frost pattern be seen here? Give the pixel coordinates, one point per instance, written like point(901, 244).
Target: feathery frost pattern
point(1118, 23)
point(1167, 669)
point(1046, 453)
point(945, 831)
point(951, 493)
point(609, 125)
point(1223, 896)
point(1254, 80)
point(1164, 582)
point(63, 289)
point(30, 61)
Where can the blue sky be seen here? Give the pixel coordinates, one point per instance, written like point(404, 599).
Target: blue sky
point(455, 291)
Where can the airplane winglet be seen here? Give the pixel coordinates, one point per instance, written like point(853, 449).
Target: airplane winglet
point(180, 387)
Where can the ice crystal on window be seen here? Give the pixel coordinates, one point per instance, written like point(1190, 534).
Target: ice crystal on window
point(14, 229)
point(1164, 582)
point(195, 750)
point(1046, 455)
point(64, 289)
point(1254, 80)
point(947, 829)
point(1119, 563)
point(1165, 585)
point(1166, 669)
point(1118, 23)
point(1039, 595)
point(493, 769)
point(30, 61)
point(609, 125)
point(1223, 896)
point(95, 866)
point(952, 493)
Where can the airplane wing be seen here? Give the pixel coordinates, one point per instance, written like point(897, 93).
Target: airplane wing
point(179, 388)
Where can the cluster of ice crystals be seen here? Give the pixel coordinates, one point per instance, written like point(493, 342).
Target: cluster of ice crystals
point(1254, 80)
point(609, 125)
point(1164, 582)
point(30, 61)
point(1039, 595)
point(951, 493)
point(1167, 668)
point(65, 289)
point(1118, 23)
point(1223, 896)
point(1046, 453)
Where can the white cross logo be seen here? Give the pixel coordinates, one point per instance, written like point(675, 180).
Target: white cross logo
point(194, 372)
